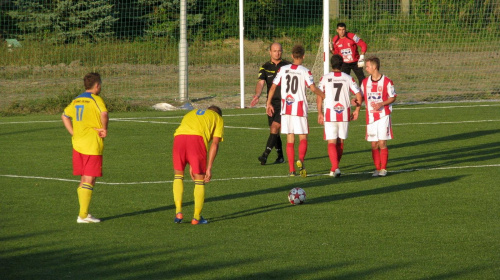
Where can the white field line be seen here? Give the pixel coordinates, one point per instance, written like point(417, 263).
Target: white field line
point(136, 119)
point(262, 128)
point(257, 177)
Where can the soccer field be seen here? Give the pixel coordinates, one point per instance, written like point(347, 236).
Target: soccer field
point(435, 216)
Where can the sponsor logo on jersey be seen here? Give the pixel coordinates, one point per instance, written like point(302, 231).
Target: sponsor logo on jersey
point(339, 108)
point(330, 80)
point(375, 95)
point(289, 100)
point(286, 71)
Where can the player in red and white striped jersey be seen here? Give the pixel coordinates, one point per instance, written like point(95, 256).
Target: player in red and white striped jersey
point(337, 110)
point(379, 94)
point(294, 79)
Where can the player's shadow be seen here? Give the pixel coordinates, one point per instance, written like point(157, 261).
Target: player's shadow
point(473, 154)
point(449, 138)
point(336, 197)
point(385, 190)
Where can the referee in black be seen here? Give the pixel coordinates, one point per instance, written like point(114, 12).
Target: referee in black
point(266, 76)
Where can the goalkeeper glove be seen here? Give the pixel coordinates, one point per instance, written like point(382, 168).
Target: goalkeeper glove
point(361, 61)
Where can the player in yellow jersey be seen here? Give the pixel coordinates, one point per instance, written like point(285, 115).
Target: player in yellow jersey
point(191, 141)
point(86, 119)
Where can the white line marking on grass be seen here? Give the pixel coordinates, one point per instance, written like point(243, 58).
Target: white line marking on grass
point(459, 122)
point(256, 177)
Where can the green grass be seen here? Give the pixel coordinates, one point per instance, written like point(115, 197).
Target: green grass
point(435, 216)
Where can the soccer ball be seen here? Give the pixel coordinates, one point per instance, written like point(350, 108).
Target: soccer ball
point(297, 196)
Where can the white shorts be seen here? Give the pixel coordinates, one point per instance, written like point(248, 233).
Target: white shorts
point(379, 130)
point(334, 130)
point(294, 125)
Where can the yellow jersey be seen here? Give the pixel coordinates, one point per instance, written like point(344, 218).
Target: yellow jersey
point(205, 123)
point(85, 114)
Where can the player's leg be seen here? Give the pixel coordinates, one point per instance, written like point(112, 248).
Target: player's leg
point(199, 198)
point(84, 191)
point(376, 158)
point(287, 128)
point(384, 134)
point(384, 156)
point(302, 155)
point(88, 167)
point(275, 128)
point(343, 128)
point(359, 72)
point(290, 152)
point(331, 136)
point(179, 162)
point(178, 190)
point(197, 159)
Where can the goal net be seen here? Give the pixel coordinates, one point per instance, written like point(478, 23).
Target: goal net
point(433, 50)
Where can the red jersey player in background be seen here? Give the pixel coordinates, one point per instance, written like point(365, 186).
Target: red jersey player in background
point(337, 110)
point(346, 44)
point(379, 94)
point(294, 79)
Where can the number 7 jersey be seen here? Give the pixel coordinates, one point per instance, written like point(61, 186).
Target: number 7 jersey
point(294, 79)
point(337, 104)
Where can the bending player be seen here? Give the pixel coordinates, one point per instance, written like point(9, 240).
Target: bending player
point(197, 129)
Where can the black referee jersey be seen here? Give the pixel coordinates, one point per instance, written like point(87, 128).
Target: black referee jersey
point(268, 72)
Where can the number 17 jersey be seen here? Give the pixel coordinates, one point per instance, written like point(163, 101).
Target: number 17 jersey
point(294, 79)
point(85, 113)
point(337, 104)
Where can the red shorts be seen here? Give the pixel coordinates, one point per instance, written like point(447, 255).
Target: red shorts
point(190, 149)
point(88, 165)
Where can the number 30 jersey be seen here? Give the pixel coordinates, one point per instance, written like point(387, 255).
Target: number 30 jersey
point(293, 80)
point(85, 113)
point(337, 103)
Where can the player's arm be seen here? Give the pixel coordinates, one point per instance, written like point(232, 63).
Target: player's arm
point(319, 104)
point(258, 92)
point(214, 148)
point(269, 106)
point(317, 91)
point(67, 123)
point(357, 102)
point(333, 47)
point(364, 47)
point(103, 132)
point(389, 101)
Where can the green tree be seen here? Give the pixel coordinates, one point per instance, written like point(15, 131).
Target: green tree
point(64, 21)
point(163, 17)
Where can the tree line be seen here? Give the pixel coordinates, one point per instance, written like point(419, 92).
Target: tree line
point(69, 21)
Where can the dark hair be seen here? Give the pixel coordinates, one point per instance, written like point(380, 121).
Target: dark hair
point(298, 51)
point(341, 24)
point(336, 61)
point(215, 109)
point(91, 79)
point(374, 60)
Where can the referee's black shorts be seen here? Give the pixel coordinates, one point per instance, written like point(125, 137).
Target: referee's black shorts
point(277, 113)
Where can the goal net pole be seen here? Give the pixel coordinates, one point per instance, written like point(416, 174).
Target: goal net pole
point(183, 54)
point(242, 57)
point(326, 36)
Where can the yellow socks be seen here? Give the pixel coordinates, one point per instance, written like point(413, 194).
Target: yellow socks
point(199, 197)
point(84, 195)
point(178, 191)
